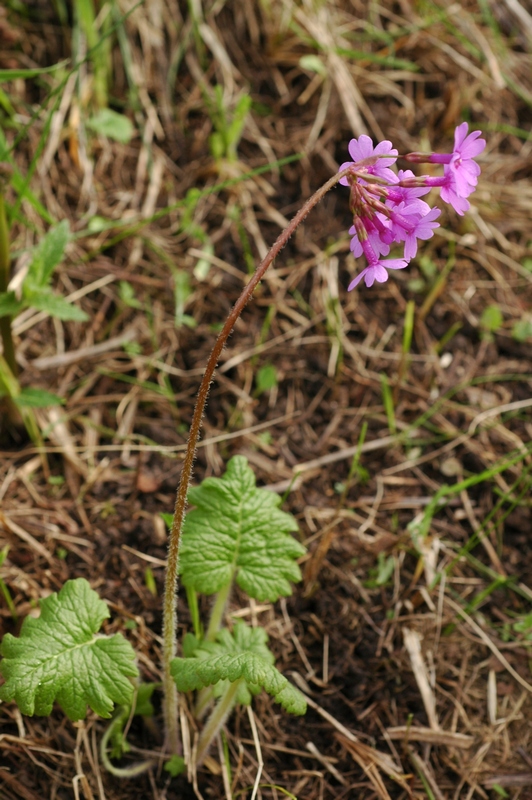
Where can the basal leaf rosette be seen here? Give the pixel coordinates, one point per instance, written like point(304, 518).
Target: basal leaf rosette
point(237, 531)
point(240, 656)
point(61, 656)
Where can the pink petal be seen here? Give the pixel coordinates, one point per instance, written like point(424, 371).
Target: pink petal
point(472, 146)
point(459, 135)
point(385, 147)
point(410, 246)
point(381, 276)
point(343, 181)
point(356, 247)
point(361, 148)
point(357, 280)
point(396, 263)
point(449, 195)
point(463, 186)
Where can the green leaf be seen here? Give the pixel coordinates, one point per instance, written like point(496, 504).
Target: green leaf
point(55, 305)
point(143, 706)
point(491, 319)
point(60, 656)
point(236, 127)
point(189, 644)
point(243, 639)
point(47, 255)
point(232, 657)
point(113, 125)
point(238, 532)
point(175, 765)
point(522, 329)
point(313, 63)
point(266, 378)
point(32, 397)
point(182, 291)
point(14, 74)
point(168, 519)
point(127, 295)
point(9, 305)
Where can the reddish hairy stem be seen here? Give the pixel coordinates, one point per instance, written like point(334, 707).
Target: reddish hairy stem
point(172, 565)
point(5, 322)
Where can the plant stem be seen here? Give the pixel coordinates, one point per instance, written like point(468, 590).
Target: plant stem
point(121, 772)
point(172, 566)
point(205, 695)
point(218, 611)
point(5, 322)
point(216, 720)
point(192, 602)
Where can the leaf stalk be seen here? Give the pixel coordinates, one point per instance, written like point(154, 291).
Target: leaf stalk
point(218, 610)
point(219, 715)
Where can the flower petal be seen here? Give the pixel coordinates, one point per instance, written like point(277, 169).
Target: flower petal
point(357, 280)
point(343, 181)
point(380, 274)
point(460, 134)
point(395, 263)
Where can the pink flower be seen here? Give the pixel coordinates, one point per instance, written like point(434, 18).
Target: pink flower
point(378, 272)
point(361, 149)
point(404, 194)
point(375, 230)
point(462, 166)
point(449, 194)
point(422, 229)
point(460, 162)
point(449, 191)
point(386, 206)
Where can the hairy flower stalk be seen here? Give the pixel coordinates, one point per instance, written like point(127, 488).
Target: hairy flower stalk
point(5, 321)
point(169, 604)
point(387, 210)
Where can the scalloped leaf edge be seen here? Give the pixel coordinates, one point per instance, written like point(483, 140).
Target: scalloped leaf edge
point(193, 673)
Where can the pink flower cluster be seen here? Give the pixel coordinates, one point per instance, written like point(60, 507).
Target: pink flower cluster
point(386, 205)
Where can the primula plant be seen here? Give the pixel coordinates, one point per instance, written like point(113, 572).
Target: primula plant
point(235, 533)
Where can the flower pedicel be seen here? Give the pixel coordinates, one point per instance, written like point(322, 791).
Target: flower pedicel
point(386, 206)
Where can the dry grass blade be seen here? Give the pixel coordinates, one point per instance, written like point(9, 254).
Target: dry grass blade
point(412, 641)
point(414, 733)
point(487, 641)
point(374, 765)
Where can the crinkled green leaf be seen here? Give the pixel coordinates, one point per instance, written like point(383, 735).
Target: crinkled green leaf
point(238, 531)
point(189, 645)
point(47, 255)
point(243, 639)
point(9, 305)
point(232, 657)
point(61, 656)
point(54, 304)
